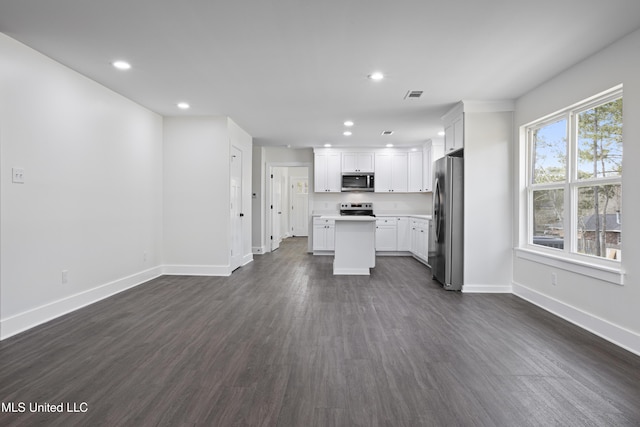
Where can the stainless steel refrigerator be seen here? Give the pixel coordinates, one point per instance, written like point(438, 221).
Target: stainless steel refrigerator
point(446, 258)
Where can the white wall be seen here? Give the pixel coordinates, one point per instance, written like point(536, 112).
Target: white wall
point(608, 309)
point(196, 194)
point(258, 201)
point(383, 203)
point(488, 201)
point(92, 200)
point(244, 142)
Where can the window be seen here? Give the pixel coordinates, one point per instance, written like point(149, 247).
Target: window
point(574, 180)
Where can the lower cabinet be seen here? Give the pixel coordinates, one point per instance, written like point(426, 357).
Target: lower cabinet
point(386, 234)
point(393, 234)
point(420, 238)
point(404, 235)
point(323, 234)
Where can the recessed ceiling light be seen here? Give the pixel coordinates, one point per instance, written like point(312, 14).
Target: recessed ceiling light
point(376, 76)
point(183, 106)
point(347, 133)
point(327, 145)
point(121, 65)
point(348, 123)
point(387, 132)
point(441, 133)
point(389, 145)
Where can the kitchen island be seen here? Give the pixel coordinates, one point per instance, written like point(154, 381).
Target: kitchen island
point(355, 239)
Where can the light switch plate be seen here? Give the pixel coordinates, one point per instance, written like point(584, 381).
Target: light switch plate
point(17, 175)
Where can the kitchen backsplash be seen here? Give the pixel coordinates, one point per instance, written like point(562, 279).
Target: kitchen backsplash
point(402, 203)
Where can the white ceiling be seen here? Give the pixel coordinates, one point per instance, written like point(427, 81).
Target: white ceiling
point(291, 71)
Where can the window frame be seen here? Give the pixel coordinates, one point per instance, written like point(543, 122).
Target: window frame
point(568, 257)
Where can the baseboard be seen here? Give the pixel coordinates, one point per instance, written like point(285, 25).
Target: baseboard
point(21, 322)
point(393, 253)
point(259, 250)
point(615, 334)
point(422, 260)
point(196, 270)
point(352, 271)
point(329, 253)
point(487, 289)
point(247, 259)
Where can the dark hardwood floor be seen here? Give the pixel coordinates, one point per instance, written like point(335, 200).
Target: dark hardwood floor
point(282, 342)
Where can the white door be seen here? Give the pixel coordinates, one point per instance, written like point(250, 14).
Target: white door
point(236, 208)
point(285, 228)
point(299, 205)
point(276, 207)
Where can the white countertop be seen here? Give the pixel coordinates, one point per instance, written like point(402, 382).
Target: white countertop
point(378, 214)
point(352, 218)
point(421, 216)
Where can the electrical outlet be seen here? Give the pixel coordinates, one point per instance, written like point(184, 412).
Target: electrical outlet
point(17, 175)
point(144, 256)
point(65, 276)
point(554, 279)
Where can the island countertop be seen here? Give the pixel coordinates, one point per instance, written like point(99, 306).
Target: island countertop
point(354, 218)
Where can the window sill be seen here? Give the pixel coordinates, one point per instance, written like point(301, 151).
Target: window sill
point(596, 271)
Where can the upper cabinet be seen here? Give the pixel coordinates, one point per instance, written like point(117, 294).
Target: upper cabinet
point(433, 150)
point(327, 174)
point(415, 172)
point(397, 170)
point(391, 172)
point(357, 162)
point(454, 129)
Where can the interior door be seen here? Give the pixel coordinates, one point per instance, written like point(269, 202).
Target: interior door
point(276, 208)
point(299, 205)
point(236, 208)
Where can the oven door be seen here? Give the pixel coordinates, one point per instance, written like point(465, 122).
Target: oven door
point(357, 212)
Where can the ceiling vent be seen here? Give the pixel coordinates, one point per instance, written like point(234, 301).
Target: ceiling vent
point(413, 94)
point(387, 132)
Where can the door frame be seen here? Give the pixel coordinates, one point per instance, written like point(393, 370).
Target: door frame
point(235, 260)
point(292, 214)
point(268, 191)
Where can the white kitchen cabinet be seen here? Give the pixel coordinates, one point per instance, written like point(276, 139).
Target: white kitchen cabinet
point(415, 172)
point(404, 235)
point(327, 172)
point(420, 238)
point(358, 162)
point(386, 234)
point(323, 234)
point(391, 172)
point(454, 129)
point(433, 150)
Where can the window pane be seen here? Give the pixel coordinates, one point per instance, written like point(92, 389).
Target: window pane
point(548, 218)
point(599, 220)
point(600, 141)
point(550, 153)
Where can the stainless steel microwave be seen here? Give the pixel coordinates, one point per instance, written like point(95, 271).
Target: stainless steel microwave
point(357, 181)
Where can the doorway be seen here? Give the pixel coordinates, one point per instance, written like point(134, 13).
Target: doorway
point(288, 203)
point(299, 201)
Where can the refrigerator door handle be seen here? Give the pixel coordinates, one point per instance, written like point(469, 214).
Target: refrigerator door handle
point(437, 211)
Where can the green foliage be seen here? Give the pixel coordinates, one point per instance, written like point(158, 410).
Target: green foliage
point(600, 141)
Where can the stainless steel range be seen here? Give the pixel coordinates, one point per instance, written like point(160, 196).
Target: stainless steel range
point(361, 209)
